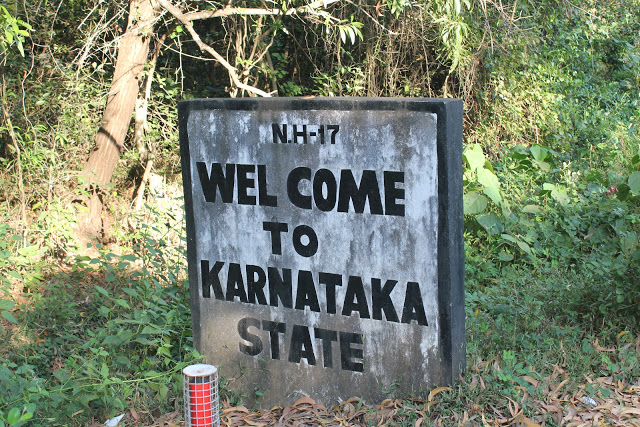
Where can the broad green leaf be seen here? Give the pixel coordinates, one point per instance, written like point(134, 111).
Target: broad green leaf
point(493, 193)
point(560, 197)
point(102, 290)
point(131, 292)
point(629, 242)
point(104, 370)
point(7, 315)
point(503, 256)
point(123, 360)
point(519, 152)
point(488, 178)
point(143, 341)
point(542, 165)
point(475, 156)
point(558, 193)
point(534, 209)
point(86, 398)
point(490, 222)
point(5, 304)
point(539, 153)
point(36, 276)
point(488, 166)
point(491, 185)
point(509, 238)
point(29, 251)
point(122, 303)
point(634, 182)
point(623, 191)
point(149, 329)
point(163, 391)
point(593, 176)
point(525, 247)
point(352, 35)
point(13, 416)
point(114, 340)
point(62, 375)
point(522, 245)
point(506, 211)
point(163, 351)
point(474, 203)
point(15, 275)
point(468, 176)
point(125, 335)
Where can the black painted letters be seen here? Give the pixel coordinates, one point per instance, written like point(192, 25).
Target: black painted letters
point(298, 344)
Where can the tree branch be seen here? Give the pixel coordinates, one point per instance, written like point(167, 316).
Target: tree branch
point(312, 8)
point(316, 9)
point(233, 73)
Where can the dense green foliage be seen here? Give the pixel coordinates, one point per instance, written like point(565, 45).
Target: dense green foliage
point(552, 186)
point(568, 177)
point(103, 334)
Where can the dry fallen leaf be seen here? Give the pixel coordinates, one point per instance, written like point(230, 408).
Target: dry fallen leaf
point(555, 391)
point(436, 391)
point(474, 382)
point(635, 411)
point(621, 334)
point(304, 401)
point(527, 422)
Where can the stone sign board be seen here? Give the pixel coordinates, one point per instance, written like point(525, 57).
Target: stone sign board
point(325, 244)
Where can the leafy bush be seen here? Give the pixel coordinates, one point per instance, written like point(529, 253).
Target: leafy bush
point(558, 133)
point(112, 332)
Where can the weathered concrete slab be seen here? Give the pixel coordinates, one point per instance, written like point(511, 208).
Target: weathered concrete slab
point(325, 243)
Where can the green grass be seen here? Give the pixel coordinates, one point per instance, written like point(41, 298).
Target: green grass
point(97, 335)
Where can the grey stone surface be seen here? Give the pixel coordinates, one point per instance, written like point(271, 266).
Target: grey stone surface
point(354, 216)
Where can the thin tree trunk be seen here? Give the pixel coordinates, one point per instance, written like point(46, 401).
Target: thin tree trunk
point(147, 154)
point(16, 147)
point(121, 100)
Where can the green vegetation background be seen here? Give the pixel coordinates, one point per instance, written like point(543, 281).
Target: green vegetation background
point(552, 189)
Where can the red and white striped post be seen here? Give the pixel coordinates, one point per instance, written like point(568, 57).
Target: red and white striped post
point(201, 403)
